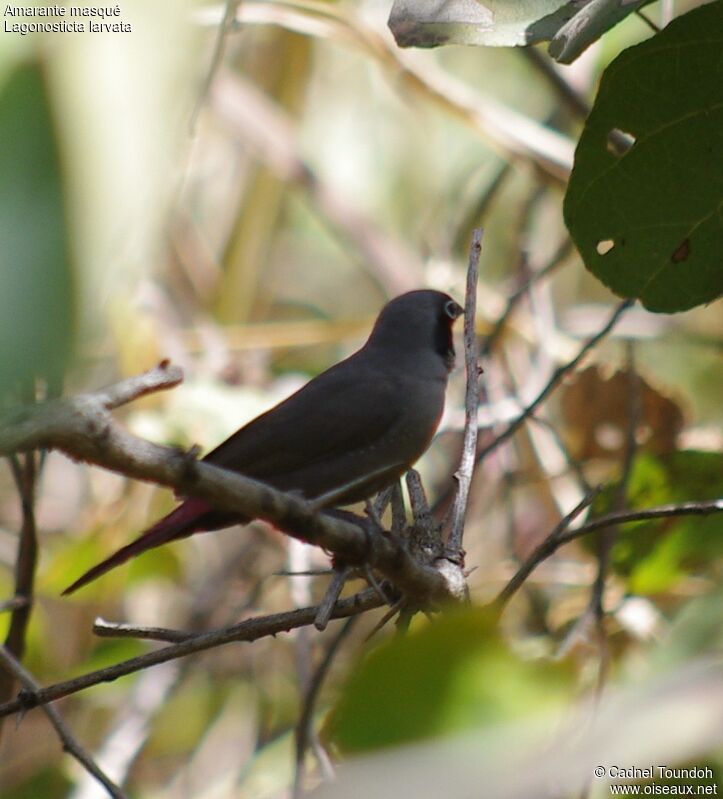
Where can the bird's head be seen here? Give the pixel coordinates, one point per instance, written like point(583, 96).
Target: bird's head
point(417, 323)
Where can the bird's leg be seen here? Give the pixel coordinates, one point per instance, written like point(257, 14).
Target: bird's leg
point(372, 511)
point(399, 513)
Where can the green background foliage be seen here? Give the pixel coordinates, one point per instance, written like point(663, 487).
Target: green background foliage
point(36, 300)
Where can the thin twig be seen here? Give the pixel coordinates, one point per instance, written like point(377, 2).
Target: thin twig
point(556, 259)
point(393, 610)
point(573, 464)
point(70, 744)
point(545, 549)
point(702, 508)
point(556, 540)
point(399, 513)
point(463, 475)
point(229, 18)
point(161, 378)
point(114, 629)
point(303, 728)
point(569, 95)
point(249, 630)
point(417, 498)
point(557, 376)
point(25, 474)
point(14, 603)
point(425, 533)
point(334, 589)
point(649, 22)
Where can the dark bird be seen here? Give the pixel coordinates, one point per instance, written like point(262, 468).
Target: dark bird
point(347, 434)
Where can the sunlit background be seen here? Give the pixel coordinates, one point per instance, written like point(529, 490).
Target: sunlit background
point(244, 205)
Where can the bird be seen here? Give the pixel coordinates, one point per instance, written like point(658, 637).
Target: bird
point(347, 434)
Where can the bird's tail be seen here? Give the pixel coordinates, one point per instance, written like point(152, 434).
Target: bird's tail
point(185, 520)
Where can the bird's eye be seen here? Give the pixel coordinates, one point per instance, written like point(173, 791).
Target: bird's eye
point(452, 309)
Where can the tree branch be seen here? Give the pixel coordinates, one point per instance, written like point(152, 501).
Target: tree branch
point(83, 428)
point(25, 472)
point(557, 376)
point(463, 475)
point(558, 537)
point(249, 630)
point(70, 745)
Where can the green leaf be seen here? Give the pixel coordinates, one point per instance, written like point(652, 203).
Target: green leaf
point(454, 675)
point(36, 301)
point(648, 221)
point(655, 555)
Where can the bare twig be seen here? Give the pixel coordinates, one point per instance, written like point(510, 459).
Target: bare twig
point(463, 475)
point(334, 589)
point(25, 474)
point(303, 728)
point(164, 376)
point(417, 497)
point(558, 537)
point(702, 508)
point(114, 629)
point(399, 513)
point(557, 376)
point(426, 532)
point(12, 604)
point(249, 630)
point(227, 23)
point(569, 95)
point(545, 549)
point(646, 19)
point(555, 260)
point(386, 618)
point(70, 744)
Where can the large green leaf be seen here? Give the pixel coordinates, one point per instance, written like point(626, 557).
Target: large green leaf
point(648, 220)
point(656, 555)
point(454, 675)
point(36, 296)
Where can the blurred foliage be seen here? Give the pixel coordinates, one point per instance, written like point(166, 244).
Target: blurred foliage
point(36, 300)
point(660, 554)
point(253, 241)
point(456, 675)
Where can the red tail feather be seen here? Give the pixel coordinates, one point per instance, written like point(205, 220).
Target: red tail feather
point(179, 523)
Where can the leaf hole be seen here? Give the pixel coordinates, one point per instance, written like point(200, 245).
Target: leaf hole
point(604, 246)
point(681, 252)
point(620, 142)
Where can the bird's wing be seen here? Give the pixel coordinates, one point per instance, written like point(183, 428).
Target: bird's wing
point(347, 408)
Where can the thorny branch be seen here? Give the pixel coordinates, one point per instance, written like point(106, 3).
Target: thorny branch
point(249, 630)
point(83, 428)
